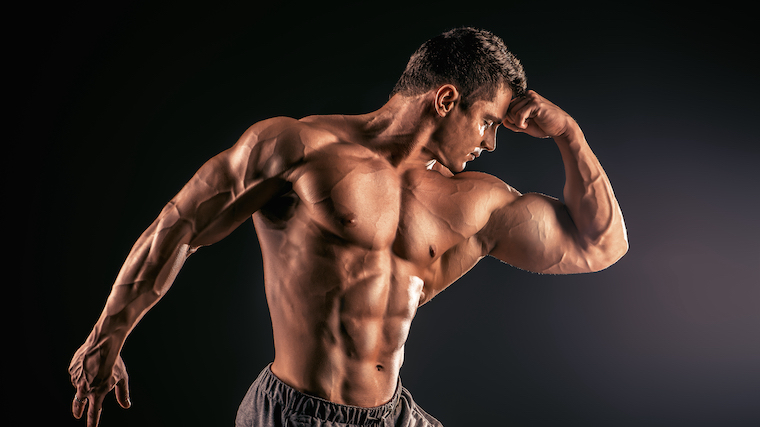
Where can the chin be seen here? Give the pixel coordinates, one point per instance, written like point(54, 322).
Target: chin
point(454, 168)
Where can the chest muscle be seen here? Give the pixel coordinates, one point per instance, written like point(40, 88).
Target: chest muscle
point(417, 214)
point(437, 213)
point(356, 200)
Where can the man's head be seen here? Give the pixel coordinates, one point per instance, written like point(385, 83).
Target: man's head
point(475, 61)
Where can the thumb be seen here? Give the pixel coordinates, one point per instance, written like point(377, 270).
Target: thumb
point(122, 394)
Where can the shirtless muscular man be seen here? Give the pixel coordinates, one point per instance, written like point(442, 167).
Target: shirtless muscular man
point(361, 220)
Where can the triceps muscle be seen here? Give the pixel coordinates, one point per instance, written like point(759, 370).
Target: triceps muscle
point(160, 252)
point(221, 195)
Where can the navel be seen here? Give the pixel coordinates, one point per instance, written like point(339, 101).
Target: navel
point(431, 250)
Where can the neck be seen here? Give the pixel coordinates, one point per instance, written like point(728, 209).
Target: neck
point(402, 129)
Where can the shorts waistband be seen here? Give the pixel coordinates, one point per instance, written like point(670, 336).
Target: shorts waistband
point(300, 403)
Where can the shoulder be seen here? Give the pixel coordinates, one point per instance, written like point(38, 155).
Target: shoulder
point(288, 135)
point(277, 132)
point(497, 191)
point(274, 146)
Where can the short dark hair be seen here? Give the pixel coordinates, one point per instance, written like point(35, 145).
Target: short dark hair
point(475, 61)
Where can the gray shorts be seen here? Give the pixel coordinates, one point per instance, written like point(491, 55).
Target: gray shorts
point(272, 403)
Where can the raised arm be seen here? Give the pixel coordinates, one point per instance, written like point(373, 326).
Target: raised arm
point(538, 233)
point(224, 192)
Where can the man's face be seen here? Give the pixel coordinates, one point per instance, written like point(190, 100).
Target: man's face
point(467, 133)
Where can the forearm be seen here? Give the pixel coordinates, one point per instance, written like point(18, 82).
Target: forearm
point(588, 196)
point(146, 275)
point(203, 212)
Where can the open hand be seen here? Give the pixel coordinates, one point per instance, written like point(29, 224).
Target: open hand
point(92, 390)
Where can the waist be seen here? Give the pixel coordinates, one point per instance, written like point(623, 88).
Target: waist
point(338, 378)
point(308, 404)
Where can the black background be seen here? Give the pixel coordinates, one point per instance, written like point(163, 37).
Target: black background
point(122, 102)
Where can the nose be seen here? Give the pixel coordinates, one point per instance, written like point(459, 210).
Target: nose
point(489, 144)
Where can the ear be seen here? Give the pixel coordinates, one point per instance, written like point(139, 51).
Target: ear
point(446, 98)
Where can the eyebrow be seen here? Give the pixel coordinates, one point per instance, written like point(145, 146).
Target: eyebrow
point(495, 119)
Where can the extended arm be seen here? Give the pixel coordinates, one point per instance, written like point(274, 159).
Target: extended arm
point(224, 192)
point(539, 233)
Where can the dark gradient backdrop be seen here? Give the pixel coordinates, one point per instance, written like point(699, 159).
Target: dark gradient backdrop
point(123, 102)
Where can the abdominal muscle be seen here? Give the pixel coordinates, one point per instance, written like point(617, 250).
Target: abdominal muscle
point(340, 328)
point(341, 300)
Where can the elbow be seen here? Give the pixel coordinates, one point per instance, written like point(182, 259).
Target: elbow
point(620, 248)
point(609, 247)
point(604, 257)
point(618, 252)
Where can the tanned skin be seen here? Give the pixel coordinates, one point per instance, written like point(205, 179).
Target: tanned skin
point(361, 220)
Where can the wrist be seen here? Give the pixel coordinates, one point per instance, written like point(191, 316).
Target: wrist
point(571, 139)
point(570, 131)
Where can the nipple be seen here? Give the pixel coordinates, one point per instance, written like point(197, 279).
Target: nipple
point(348, 220)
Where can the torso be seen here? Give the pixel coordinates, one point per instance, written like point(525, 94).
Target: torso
point(350, 251)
